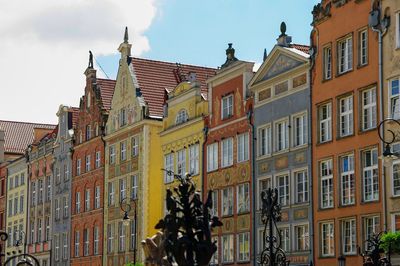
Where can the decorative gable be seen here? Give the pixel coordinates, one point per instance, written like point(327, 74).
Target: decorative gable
point(282, 64)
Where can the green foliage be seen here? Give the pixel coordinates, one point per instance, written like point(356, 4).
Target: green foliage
point(392, 240)
point(133, 264)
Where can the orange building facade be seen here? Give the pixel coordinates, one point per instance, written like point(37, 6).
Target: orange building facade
point(87, 194)
point(228, 156)
point(347, 187)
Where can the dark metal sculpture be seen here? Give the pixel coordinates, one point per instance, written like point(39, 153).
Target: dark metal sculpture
point(90, 60)
point(16, 258)
point(272, 254)
point(374, 255)
point(188, 224)
point(389, 135)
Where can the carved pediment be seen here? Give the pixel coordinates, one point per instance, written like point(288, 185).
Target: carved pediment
point(321, 12)
point(281, 64)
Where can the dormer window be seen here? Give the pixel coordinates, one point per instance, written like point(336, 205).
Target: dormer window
point(227, 106)
point(182, 117)
point(88, 132)
point(88, 100)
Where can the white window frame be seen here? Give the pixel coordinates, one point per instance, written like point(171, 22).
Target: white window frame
point(299, 245)
point(325, 122)
point(112, 154)
point(327, 62)
point(65, 253)
point(281, 135)
point(77, 236)
point(86, 239)
point(87, 167)
point(78, 202)
point(283, 199)
point(370, 175)
point(122, 147)
point(227, 201)
point(303, 195)
point(212, 157)
point(243, 147)
point(57, 208)
point(215, 201)
point(228, 254)
point(97, 192)
point(181, 162)
point(264, 140)
point(168, 166)
point(326, 178)
point(132, 238)
point(286, 236)
point(87, 199)
point(227, 152)
point(110, 238)
point(121, 237)
point(268, 181)
point(243, 254)
point(111, 194)
point(345, 55)
point(227, 106)
point(346, 117)
point(98, 159)
point(243, 198)
point(65, 201)
point(57, 247)
point(300, 130)
point(78, 167)
point(396, 178)
point(347, 181)
point(122, 189)
point(394, 98)
point(135, 145)
point(181, 117)
point(363, 47)
point(368, 113)
point(351, 247)
point(96, 240)
point(330, 240)
point(397, 29)
point(134, 186)
point(371, 225)
point(194, 159)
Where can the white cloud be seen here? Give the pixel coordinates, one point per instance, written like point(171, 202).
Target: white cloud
point(44, 48)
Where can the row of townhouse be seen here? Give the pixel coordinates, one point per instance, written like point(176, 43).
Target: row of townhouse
point(306, 123)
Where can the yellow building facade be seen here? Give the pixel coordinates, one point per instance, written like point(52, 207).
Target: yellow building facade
point(132, 167)
point(182, 137)
point(17, 192)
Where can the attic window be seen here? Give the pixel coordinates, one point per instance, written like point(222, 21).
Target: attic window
point(88, 100)
point(182, 117)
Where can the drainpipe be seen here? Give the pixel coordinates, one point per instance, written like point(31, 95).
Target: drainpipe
point(381, 30)
point(253, 182)
point(205, 131)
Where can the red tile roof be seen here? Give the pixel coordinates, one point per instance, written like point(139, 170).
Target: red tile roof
point(18, 135)
point(106, 91)
point(301, 47)
point(75, 113)
point(156, 76)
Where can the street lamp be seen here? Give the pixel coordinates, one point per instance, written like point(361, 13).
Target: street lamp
point(22, 258)
point(342, 260)
point(126, 206)
point(388, 139)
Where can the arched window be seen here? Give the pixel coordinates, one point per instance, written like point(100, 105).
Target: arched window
point(182, 117)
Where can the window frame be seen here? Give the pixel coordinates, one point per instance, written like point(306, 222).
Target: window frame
point(373, 167)
point(194, 159)
point(227, 104)
point(348, 58)
point(264, 140)
point(305, 187)
point(245, 255)
point(230, 257)
point(329, 178)
point(350, 174)
point(227, 152)
point(241, 188)
point(243, 142)
point(228, 199)
point(285, 133)
point(347, 116)
point(327, 65)
point(304, 129)
point(212, 156)
point(330, 239)
point(352, 236)
point(361, 48)
point(326, 122)
point(370, 108)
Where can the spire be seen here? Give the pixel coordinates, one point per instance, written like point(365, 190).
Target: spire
point(126, 38)
point(230, 56)
point(265, 54)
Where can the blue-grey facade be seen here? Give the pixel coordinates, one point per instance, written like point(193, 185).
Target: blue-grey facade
point(283, 146)
point(61, 202)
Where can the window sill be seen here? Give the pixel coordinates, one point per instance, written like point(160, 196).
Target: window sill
point(344, 73)
point(280, 152)
point(345, 137)
point(365, 131)
point(261, 157)
point(346, 205)
point(325, 142)
point(326, 209)
point(364, 202)
point(326, 79)
point(359, 66)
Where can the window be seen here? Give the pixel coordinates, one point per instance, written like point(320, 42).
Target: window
point(135, 146)
point(16, 181)
point(243, 198)
point(39, 230)
point(21, 203)
point(168, 167)
point(76, 243)
point(301, 180)
point(214, 198)
point(300, 130)
point(123, 150)
point(368, 109)
point(133, 235)
point(87, 199)
point(227, 248)
point(181, 162)
point(96, 240)
point(47, 228)
point(326, 184)
point(78, 202)
point(48, 188)
point(398, 30)
point(88, 132)
point(371, 227)
point(11, 183)
point(33, 193)
point(40, 194)
point(281, 136)
point(16, 205)
point(97, 197)
point(264, 141)
point(32, 232)
point(347, 180)
point(227, 152)
point(78, 167)
point(98, 159)
point(227, 201)
point(212, 157)
point(327, 239)
point(227, 106)
point(285, 238)
point(111, 194)
point(283, 189)
point(394, 98)
point(65, 201)
point(65, 246)
point(345, 55)
point(194, 159)
point(243, 242)
point(349, 236)
point(10, 203)
point(325, 122)
point(88, 100)
point(87, 163)
point(182, 117)
point(327, 63)
point(121, 242)
point(122, 189)
point(122, 117)
point(370, 175)
point(134, 186)
point(57, 208)
point(112, 154)
point(363, 47)
point(86, 242)
point(66, 171)
point(9, 239)
point(263, 186)
point(215, 258)
point(243, 147)
point(57, 248)
point(110, 238)
point(22, 179)
point(346, 116)
point(302, 237)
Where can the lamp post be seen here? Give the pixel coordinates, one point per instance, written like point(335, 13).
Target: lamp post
point(388, 139)
point(21, 257)
point(126, 205)
point(272, 254)
point(341, 260)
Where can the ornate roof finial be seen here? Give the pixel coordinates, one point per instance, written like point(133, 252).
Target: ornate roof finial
point(90, 65)
point(126, 38)
point(230, 55)
point(265, 54)
point(283, 29)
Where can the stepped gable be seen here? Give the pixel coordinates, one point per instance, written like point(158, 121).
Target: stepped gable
point(107, 87)
point(153, 77)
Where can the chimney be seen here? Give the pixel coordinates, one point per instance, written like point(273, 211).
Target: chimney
point(283, 39)
point(2, 148)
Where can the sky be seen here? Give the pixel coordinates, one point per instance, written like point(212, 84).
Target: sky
point(44, 44)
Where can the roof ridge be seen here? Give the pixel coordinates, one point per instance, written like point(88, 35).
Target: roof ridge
point(174, 63)
point(30, 123)
point(106, 79)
